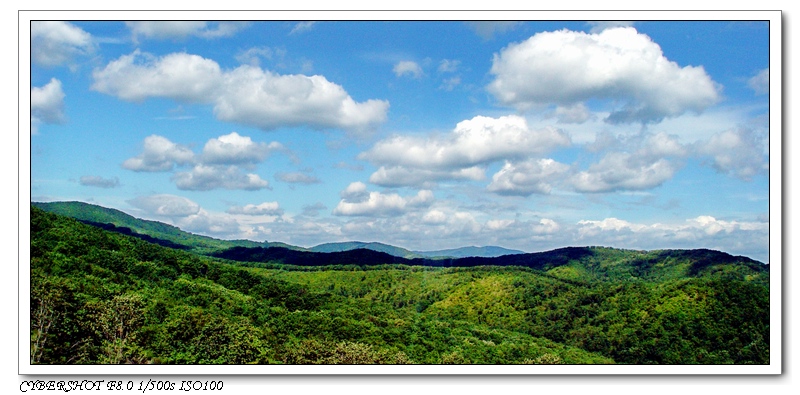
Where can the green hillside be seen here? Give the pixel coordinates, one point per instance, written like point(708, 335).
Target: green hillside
point(98, 215)
point(105, 297)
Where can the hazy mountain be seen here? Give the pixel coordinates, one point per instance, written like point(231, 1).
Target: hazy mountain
point(463, 252)
point(352, 245)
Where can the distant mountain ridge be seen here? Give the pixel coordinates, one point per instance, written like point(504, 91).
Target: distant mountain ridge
point(569, 263)
point(353, 245)
point(173, 237)
point(463, 252)
point(466, 252)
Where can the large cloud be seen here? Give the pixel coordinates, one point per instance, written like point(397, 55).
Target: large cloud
point(262, 99)
point(474, 143)
point(47, 104)
point(54, 43)
point(178, 76)
point(246, 95)
point(618, 64)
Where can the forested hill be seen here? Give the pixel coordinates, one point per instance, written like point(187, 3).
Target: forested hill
point(100, 297)
point(173, 237)
point(571, 263)
point(574, 263)
point(151, 231)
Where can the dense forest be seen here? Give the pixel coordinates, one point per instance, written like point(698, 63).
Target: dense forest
point(107, 294)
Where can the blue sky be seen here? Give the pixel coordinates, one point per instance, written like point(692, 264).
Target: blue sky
point(424, 135)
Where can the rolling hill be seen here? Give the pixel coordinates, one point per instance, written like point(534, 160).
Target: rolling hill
point(173, 237)
point(152, 231)
point(105, 297)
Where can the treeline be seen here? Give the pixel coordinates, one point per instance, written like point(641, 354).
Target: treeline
point(103, 297)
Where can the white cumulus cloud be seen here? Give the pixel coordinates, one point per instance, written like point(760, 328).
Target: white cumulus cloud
point(54, 43)
point(177, 76)
point(357, 201)
point(738, 152)
point(246, 95)
point(646, 161)
point(219, 166)
point(266, 208)
point(459, 154)
point(47, 104)
point(266, 100)
point(235, 149)
point(527, 177)
point(159, 154)
point(599, 26)
point(619, 65)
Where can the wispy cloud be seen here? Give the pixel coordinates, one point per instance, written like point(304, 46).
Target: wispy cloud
point(409, 68)
point(100, 182)
point(302, 27)
point(176, 30)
